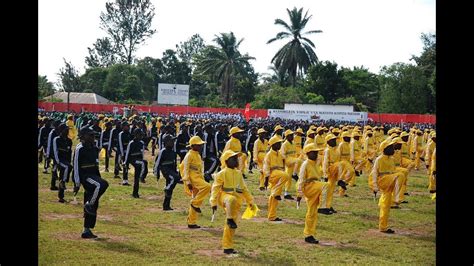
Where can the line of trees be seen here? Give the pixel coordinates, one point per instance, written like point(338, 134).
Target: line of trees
point(220, 75)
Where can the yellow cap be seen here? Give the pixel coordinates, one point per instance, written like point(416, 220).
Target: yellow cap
point(398, 140)
point(288, 132)
point(386, 143)
point(261, 130)
point(394, 135)
point(274, 139)
point(196, 140)
point(278, 127)
point(346, 134)
point(335, 130)
point(300, 130)
point(356, 134)
point(319, 129)
point(310, 132)
point(311, 147)
point(312, 127)
point(234, 130)
point(330, 137)
point(369, 131)
point(404, 134)
point(229, 153)
point(433, 134)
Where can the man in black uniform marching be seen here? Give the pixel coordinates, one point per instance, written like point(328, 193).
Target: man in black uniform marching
point(104, 143)
point(62, 149)
point(166, 162)
point(50, 156)
point(115, 146)
point(220, 139)
point(153, 131)
point(134, 156)
point(123, 139)
point(86, 172)
point(209, 152)
point(182, 141)
point(251, 138)
point(43, 142)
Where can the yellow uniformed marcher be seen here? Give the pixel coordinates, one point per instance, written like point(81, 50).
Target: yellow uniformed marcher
point(400, 187)
point(192, 173)
point(383, 177)
point(275, 175)
point(320, 142)
point(370, 149)
point(260, 148)
point(417, 148)
point(357, 157)
point(235, 145)
point(313, 189)
point(298, 140)
point(429, 148)
point(291, 160)
point(432, 186)
point(228, 191)
point(344, 151)
point(72, 133)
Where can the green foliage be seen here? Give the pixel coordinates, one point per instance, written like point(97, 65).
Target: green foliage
point(273, 96)
point(128, 24)
point(325, 79)
point(103, 53)
point(403, 89)
point(298, 54)
point(346, 100)
point(186, 50)
point(362, 85)
point(70, 80)
point(313, 98)
point(45, 87)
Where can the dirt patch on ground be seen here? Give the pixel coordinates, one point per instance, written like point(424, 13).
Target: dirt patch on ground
point(154, 197)
point(215, 253)
point(285, 221)
point(402, 232)
point(59, 216)
point(322, 243)
point(174, 226)
point(101, 237)
point(156, 209)
point(419, 193)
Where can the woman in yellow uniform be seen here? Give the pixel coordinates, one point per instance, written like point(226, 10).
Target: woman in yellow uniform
point(292, 162)
point(313, 189)
point(260, 148)
point(228, 191)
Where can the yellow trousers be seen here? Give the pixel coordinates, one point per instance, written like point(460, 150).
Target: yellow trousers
point(292, 167)
point(432, 186)
point(359, 165)
point(386, 185)
point(348, 174)
point(276, 180)
point(417, 158)
point(231, 205)
point(200, 191)
point(400, 187)
point(312, 193)
point(243, 162)
point(337, 171)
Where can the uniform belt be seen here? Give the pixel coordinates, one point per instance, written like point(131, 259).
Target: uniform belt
point(290, 152)
point(384, 173)
point(312, 179)
point(276, 168)
point(228, 189)
point(88, 165)
point(136, 153)
point(261, 151)
point(345, 154)
point(167, 162)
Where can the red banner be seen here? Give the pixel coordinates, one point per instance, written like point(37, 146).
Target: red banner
point(247, 112)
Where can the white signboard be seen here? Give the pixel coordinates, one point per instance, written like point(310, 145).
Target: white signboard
point(318, 115)
point(173, 94)
point(115, 110)
point(319, 107)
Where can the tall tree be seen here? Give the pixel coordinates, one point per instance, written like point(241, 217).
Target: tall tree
point(103, 53)
point(224, 63)
point(128, 23)
point(427, 63)
point(45, 87)
point(326, 80)
point(69, 78)
point(186, 50)
point(297, 54)
point(362, 85)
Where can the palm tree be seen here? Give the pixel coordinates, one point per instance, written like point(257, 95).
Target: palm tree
point(297, 54)
point(224, 62)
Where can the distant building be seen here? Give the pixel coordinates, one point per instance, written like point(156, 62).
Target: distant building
point(80, 97)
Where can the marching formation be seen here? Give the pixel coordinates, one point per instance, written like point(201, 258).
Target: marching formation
point(212, 157)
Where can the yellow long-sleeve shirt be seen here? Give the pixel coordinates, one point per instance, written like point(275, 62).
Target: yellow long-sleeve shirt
point(288, 150)
point(383, 165)
point(417, 143)
point(397, 157)
point(259, 150)
point(298, 141)
point(192, 167)
point(405, 151)
point(331, 155)
point(344, 151)
point(309, 172)
point(233, 144)
point(433, 161)
point(273, 161)
point(230, 181)
point(309, 141)
point(355, 149)
point(370, 147)
point(319, 141)
point(430, 146)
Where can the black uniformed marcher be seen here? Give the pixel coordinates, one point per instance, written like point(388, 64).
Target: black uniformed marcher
point(134, 156)
point(50, 156)
point(62, 150)
point(209, 153)
point(181, 142)
point(251, 138)
point(43, 142)
point(166, 163)
point(86, 172)
point(124, 138)
point(104, 143)
point(115, 146)
point(153, 131)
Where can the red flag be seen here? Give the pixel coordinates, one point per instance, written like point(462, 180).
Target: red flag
point(247, 112)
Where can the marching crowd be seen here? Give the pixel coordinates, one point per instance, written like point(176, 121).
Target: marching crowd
point(212, 154)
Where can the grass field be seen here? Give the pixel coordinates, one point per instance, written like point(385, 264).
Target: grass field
point(137, 231)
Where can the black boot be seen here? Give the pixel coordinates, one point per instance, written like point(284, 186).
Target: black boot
point(231, 223)
point(166, 204)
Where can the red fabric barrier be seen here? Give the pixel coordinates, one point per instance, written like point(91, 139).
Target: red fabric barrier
point(263, 113)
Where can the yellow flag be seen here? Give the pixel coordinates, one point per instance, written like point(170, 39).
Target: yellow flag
point(250, 213)
point(102, 153)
